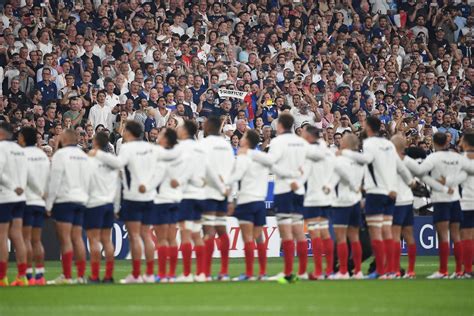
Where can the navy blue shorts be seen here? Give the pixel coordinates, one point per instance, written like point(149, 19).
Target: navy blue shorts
point(9, 211)
point(346, 216)
point(71, 213)
point(190, 210)
point(447, 212)
point(467, 219)
point(163, 214)
point(215, 206)
point(289, 203)
point(135, 211)
point(378, 204)
point(403, 216)
point(316, 211)
point(34, 216)
point(254, 212)
point(100, 217)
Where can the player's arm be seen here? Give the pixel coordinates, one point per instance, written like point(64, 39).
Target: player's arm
point(316, 153)
point(434, 184)
point(118, 189)
point(456, 179)
point(240, 168)
point(268, 159)
point(159, 173)
point(55, 177)
point(363, 158)
point(403, 171)
point(468, 165)
point(343, 173)
point(115, 162)
point(426, 166)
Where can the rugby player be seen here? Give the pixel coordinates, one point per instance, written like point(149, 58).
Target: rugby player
point(68, 193)
point(99, 215)
point(38, 166)
point(219, 163)
point(346, 183)
point(13, 182)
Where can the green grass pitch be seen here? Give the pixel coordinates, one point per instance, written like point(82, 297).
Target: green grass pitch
point(387, 297)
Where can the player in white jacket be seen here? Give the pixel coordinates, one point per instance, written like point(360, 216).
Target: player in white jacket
point(191, 206)
point(380, 183)
point(38, 166)
point(252, 180)
point(104, 191)
point(68, 193)
point(346, 182)
point(13, 178)
point(137, 159)
point(164, 215)
point(317, 202)
point(219, 164)
point(447, 214)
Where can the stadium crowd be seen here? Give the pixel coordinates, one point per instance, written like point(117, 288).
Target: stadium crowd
point(93, 66)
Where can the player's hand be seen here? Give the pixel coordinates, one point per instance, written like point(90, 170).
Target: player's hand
point(326, 190)
point(294, 186)
point(338, 153)
point(19, 191)
point(174, 183)
point(49, 213)
point(92, 152)
point(227, 192)
point(450, 191)
point(300, 169)
point(230, 209)
point(392, 195)
point(442, 180)
point(142, 188)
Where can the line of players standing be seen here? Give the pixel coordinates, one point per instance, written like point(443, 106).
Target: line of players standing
point(184, 185)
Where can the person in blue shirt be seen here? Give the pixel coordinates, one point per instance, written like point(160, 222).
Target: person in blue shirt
point(48, 89)
point(447, 128)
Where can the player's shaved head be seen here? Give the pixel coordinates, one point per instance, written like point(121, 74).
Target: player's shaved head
point(400, 142)
point(350, 141)
point(440, 140)
point(68, 137)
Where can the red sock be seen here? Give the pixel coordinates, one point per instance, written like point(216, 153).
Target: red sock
point(109, 269)
point(249, 253)
point(443, 257)
point(411, 258)
point(302, 251)
point(173, 256)
point(343, 255)
point(200, 259)
point(136, 265)
point(288, 253)
point(66, 261)
point(318, 255)
point(458, 256)
point(388, 245)
point(95, 268)
point(186, 251)
point(3, 269)
point(379, 254)
point(150, 267)
point(22, 269)
point(262, 258)
point(329, 252)
point(81, 268)
point(467, 244)
point(209, 244)
point(162, 256)
point(397, 250)
point(356, 249)
point(225, 245)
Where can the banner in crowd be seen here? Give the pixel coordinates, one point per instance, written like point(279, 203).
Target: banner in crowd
point(226, 93)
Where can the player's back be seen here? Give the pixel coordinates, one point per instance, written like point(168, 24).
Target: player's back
point(347, 191)
point(173, 170)
point(193, 158)
point(13, 174)
point(445, 163)
point(254, 183)
point(104, 183)
point(74, 175)
point(38, 166)
point(219, 161)
point(319, 174)
point(140, 158)
point(381, 173)
point(288, 152)
point(404, 192)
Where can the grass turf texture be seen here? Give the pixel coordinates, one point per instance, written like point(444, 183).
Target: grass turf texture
point(389, 297)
